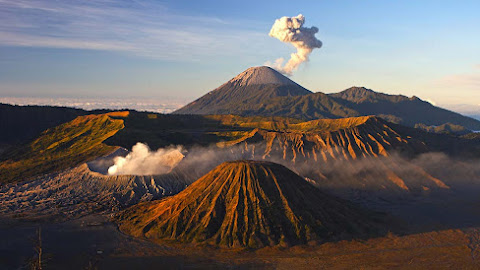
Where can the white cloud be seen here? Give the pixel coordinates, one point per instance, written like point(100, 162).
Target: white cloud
point(431, 102)
point(159, 105)
point(143, 161)
point(470, 80)
point(141, 27)
point(25, 40)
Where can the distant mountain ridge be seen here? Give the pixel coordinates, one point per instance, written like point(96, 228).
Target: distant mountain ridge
point(262, 91)
point(400, 109)
point(62, 147)
point(361, 94)
point(22, 123)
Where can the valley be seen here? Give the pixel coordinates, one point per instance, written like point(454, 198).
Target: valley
point(290, 135)
point(254, 190)
point(99, 244)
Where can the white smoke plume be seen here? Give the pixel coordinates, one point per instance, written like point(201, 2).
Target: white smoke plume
point(291, 30)
point(142, 161)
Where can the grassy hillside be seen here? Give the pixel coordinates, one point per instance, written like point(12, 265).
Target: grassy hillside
point(61, 147)
point(22, 123)
point(161, 130)
point(87, 137)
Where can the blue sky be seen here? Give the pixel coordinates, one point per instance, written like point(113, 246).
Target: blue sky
point(155, 49)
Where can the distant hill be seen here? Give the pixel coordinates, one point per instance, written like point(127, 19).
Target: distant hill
point(475, 116)
point(401, 109)
point(251, 204)
point(61, 147)
point(317, 142)
point(261, 91)
point(447, 128)
point(21, 123)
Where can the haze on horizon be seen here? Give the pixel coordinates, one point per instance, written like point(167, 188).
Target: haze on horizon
point(150, 49)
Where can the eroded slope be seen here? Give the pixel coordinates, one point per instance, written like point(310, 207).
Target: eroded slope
point(250, 204)
point(62, 147)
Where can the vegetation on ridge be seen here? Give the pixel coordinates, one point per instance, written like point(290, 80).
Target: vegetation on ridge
point(61, 147)
point(22, 123)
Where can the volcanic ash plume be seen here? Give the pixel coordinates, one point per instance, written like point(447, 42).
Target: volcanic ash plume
point(291, 30)
point(143, 161)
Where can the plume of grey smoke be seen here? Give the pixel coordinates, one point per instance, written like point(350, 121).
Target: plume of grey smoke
point(142, 161)
point(291, 30)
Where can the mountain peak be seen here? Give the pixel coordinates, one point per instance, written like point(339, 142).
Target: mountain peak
point(261, 75)
point(358, 91)
point(359, 94)
point(254, 86)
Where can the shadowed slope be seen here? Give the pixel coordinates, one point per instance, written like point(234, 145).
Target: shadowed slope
point(250, 204)
point(62, 147)
point(330, 139)
point(262, 91)
point(315, 147)
point(401, 109)
point(254, 86)
point(22, 123)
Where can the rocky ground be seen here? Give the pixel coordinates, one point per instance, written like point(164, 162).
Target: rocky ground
point(79, 191)
point(90, 242)
point(93, 242)
point(74, 209)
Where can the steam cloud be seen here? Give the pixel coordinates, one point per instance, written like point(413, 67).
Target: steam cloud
point(142, 161)
point(291, 30)
point(366, 180)
point(367, 173)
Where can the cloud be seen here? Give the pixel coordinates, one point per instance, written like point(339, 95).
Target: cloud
point(381, 174)
point(431, 102)
point(290, 30)
point(143, 28)
point(142, 161)
point(470, 80)
point(25, 40)
point(159, 105)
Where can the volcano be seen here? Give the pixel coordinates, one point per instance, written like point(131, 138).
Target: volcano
point(250, 204)
point(255, 85)
point(262, 91)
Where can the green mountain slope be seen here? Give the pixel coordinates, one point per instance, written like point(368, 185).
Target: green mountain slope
point(22, 123)
point(61, 147)
point(322, 140)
